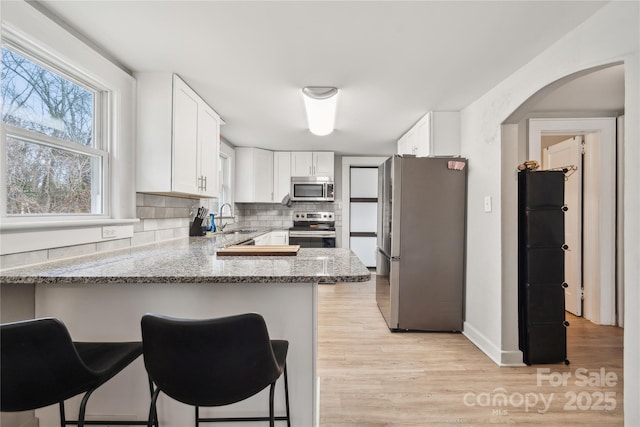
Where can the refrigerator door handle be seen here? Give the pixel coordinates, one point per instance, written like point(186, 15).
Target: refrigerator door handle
point(389, 257)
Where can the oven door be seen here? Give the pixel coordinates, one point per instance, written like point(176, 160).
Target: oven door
point(313, 239)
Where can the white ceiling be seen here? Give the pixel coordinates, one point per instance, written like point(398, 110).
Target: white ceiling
point(393, 61)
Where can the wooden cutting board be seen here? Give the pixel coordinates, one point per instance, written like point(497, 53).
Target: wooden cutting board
point(257, 250)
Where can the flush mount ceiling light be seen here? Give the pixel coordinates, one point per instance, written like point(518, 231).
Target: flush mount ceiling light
point(320, 103)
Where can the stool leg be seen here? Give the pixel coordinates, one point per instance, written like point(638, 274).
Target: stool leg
point(272, 420)
point(197, 416)
point(286, 395)
point(83, 407)
point(153, 414)
point(63, 421)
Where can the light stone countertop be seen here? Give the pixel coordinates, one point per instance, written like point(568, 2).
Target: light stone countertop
point(193, 260)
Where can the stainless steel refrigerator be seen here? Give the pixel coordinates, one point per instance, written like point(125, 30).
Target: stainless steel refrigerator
point(421, 242)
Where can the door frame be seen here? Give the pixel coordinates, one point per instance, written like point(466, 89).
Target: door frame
point(347, 162)
point(601, 208)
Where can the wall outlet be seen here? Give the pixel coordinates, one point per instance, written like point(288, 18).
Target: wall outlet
point(487, 203)
point(117, 231)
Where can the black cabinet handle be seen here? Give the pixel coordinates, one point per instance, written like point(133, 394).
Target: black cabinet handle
point(565, 285)
point(566, 324)
point(565, 247)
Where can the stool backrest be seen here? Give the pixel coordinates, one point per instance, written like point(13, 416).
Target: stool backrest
point(39, 365)
point(209, 362)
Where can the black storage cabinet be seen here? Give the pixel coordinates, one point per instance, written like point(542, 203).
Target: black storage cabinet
point(541, 311)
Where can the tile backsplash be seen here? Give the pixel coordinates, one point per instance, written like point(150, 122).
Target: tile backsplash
point(166, 218)
point(162, 218)
point(278, 216)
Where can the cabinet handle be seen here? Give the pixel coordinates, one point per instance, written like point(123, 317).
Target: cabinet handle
point(204, 186)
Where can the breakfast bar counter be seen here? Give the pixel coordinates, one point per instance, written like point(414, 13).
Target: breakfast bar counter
point(103, 297)
point(194, 260)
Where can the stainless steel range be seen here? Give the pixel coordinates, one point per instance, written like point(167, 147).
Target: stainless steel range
point(313, 230)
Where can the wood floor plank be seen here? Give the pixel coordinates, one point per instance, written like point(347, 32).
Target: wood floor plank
point(370, 376)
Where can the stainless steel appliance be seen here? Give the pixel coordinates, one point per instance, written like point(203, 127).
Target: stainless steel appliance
point(313, 230)
point(311, 189)
point(421, 242)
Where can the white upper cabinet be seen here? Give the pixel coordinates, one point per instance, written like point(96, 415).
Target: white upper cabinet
point(178, 138)
point(308, 163)
point(281, 174)
point(437, 133)
point(254, 175)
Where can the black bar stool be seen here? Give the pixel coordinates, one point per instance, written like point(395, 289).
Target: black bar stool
point(42, 366)
point(213, 362)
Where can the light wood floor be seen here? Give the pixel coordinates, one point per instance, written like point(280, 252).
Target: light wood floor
point(372, 377)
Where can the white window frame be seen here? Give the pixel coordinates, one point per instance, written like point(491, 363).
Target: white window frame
point(99, 148)
point(35, 32)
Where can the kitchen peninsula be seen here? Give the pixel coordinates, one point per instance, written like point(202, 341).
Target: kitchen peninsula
point(103, 297)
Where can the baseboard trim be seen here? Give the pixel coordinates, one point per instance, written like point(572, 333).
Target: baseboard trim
point(498, 356)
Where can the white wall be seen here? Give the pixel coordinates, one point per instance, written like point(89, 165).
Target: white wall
point(609, 36)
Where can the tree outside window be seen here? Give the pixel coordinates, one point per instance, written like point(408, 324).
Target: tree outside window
point(53, 162)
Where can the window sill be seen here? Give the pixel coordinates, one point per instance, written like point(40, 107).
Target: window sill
point(30, 236)
point(73, 223)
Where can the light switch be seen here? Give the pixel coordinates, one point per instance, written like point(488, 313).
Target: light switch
point(487, 203)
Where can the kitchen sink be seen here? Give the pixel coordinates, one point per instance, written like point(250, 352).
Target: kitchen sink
point(241, 231)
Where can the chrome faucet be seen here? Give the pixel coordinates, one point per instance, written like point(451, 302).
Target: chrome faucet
point(222, 225)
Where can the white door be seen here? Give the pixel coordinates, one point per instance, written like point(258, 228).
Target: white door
point(569, 153)
point(363, 213)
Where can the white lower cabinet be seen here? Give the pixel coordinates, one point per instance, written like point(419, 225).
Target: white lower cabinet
point(273, 238)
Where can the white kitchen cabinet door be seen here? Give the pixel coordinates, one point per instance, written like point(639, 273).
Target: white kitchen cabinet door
point(437, 133)
point(185, 139)
point(254, 175)
point(422, 135)
point(273, 238)
point(263, 240)
point(323, 163)
point(281, 174)
point(209, 143)
point(302, 163)
point(279, 238)
point(264, 176)
point(402, 145)
point(308, 163)
point(178, 138)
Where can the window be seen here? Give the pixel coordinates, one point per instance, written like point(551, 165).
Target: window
point(55, 162)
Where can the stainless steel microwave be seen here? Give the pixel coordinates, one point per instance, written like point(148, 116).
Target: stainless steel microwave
point(311, 189)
